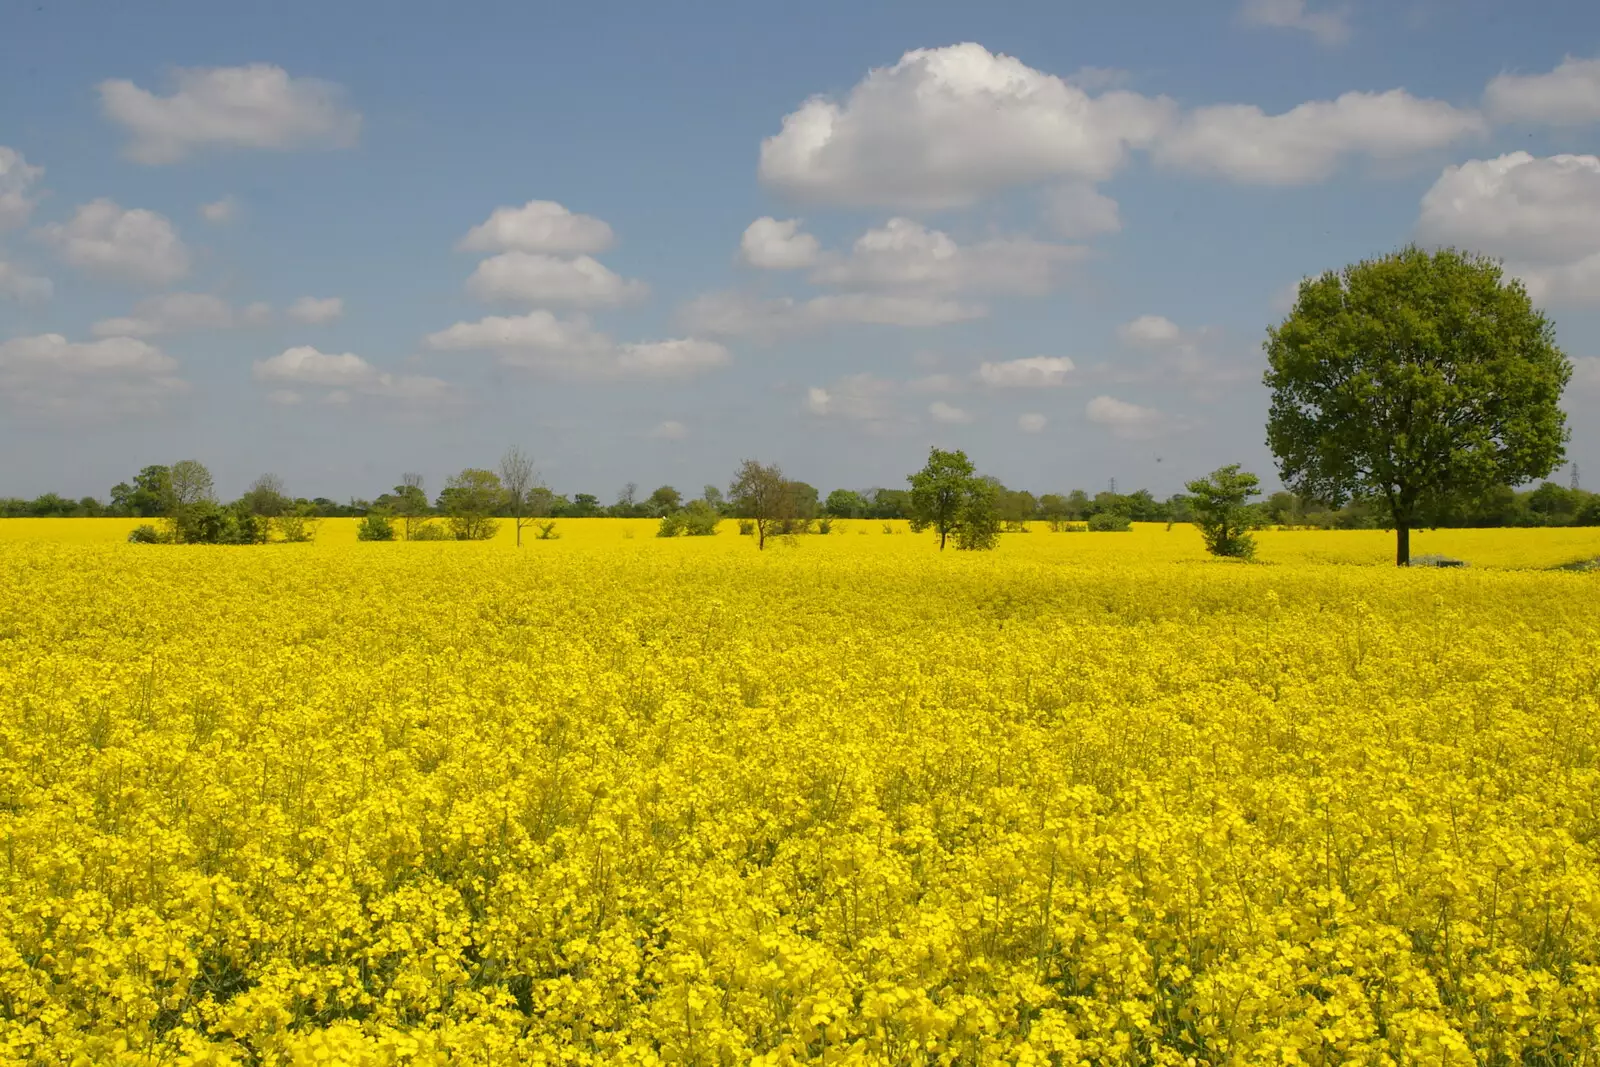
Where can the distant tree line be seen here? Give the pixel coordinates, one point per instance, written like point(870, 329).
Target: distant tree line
point(1546, 504)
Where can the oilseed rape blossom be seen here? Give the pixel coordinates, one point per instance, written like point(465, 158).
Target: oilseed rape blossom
point(1091, 798)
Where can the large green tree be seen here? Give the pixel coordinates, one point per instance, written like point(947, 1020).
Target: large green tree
point(1421, 380)
point(951, 499)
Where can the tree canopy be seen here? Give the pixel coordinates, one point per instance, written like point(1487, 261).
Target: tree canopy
point(1422, 379)
point(1220, 506)
point(759, 492)
point(950, 498)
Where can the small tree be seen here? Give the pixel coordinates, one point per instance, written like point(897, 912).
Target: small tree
point(1017, 508)
point(1423, 380)
point(521, 485)
point(190, 498)
point(947, 494)
point(470, 500)
point(266, 498)
point(297, 522)
point(148, 496)
point(375, 526)
point(411, 504)
point(1221, 509)
point(626, 506)
point(664, 501)
point(760, 494)
point(846, 504)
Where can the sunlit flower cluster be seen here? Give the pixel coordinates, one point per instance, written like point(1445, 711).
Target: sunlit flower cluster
point(1091, 798)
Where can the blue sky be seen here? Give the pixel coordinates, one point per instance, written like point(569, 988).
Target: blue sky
point(1048, 234)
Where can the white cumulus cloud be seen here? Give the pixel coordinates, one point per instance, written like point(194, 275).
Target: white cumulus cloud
point(1542, 215)
point(314, 311)
point(49, 376)
point(948, 413)
point(1327, 25)
point(946, 126)
point(1569, 95)
point(1518, 206)
point(906, 255)
point(668, 359)
point(346, 375)
point(860, 399)
point(218, 212)
point(1150, 331)
point(17, 177)
point(536, 278)
point(172, 313)
point(1308, 142)
point(538, 226)
point(1032, 422)
point(1127, 421)
point(129, 245)
point(774, 244)
point(305, 365)
point(1034, 372)
point(572, 348)
point(255, 106)
point(670, 430)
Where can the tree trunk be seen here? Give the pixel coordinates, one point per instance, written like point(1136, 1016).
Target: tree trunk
point(1402, 545)
point(518, 520)
point(761, 536)
point(943, 533)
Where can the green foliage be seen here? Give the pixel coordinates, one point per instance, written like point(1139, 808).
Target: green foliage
point(698, 519)
point(1016, 508)
point(846, 504)
point(946, 493)
point(145, 534)
point(375, 526)
point(205, 522)
point(804, 500)
point(762, 496)
point(469, 501)
point(430, 531)
point(889, 504)
point(1222, 510)
point(979, 527)
point(545, 530)
point(1420, 380)
point(298, 523)
point(1110, 522)
point(147, 497)
point(266, 497)
point(664, 501)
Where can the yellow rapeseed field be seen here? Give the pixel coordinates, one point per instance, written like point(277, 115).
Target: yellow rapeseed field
point(1091, 798)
